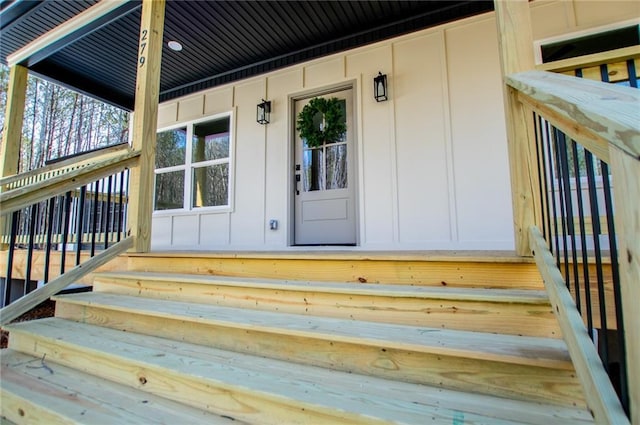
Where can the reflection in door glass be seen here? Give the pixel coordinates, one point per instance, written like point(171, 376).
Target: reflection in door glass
point(313, 169)
point(336, 167)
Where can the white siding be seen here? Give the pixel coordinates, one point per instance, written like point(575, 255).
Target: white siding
point(432, 167)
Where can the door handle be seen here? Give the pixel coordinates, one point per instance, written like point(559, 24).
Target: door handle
point(297, 183)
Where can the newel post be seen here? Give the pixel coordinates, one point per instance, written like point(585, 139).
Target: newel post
point(515, 41)
point(145, 121)
point(626, 177)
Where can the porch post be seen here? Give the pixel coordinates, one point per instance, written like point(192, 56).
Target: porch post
point(515, 40)
point(145, 120)
point(626, 177)
point(12, 132)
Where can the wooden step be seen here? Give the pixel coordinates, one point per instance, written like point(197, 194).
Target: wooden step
point(527, 368)
point(265, 391)
point(509, 311)
point(480, 269)
point(35, 390)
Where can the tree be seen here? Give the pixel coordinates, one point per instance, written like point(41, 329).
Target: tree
point(60, 122)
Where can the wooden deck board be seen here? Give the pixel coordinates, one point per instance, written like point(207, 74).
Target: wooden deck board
point(38, 391)
point(243, 386)
point(541, 352)
point(508, 311)
point(374, 268)
point(522, 296)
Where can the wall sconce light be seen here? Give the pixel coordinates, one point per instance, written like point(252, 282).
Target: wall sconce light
point(263, 112)
point(380, 87)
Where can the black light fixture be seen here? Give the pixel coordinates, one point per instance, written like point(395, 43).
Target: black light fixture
point(380, 87)
point(263, 112)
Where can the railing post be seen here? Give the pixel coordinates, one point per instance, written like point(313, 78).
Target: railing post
point(626, 177)
point(516, 54)
point(145, 123)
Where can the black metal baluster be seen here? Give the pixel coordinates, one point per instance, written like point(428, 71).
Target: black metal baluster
point(94, 226)
point(550, 150)
point(604, 73)
point(563, 215)
point(583, 242)
point(12, 245)
point(537, 130)
point(108, 214)
point(631, 69)
point(80, 226)
point(595, 223)
point(545, 180)
point(617, 296)
point(33, 215)
point(47, 254)
point(120, 216)
point(571, 233)
point(65, 231)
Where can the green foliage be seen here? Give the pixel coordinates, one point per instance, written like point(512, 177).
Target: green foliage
point(321, 121)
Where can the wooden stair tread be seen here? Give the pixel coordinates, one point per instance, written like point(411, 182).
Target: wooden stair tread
point(522, 296)
point(532, 351)
point(353, 397)
point(480, 256)
point(34, 389)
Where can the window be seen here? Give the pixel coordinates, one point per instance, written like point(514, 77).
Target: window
point(193, 174)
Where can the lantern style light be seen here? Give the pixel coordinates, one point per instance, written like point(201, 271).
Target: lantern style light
point(380, 87)
point(263, 112)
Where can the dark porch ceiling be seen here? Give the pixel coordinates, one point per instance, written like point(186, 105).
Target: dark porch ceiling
point(223, 40)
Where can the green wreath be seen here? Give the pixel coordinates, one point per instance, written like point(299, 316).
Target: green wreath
point(321, 111)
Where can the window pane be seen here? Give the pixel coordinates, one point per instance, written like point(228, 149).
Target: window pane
point(171, 148)
point(169, 190)
point(313, 170)
point(210, 186)
point(336, 167)
point(211, 140)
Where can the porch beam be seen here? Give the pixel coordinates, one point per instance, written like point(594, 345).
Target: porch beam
point(145, 120)
point(77, 27)
point(515, 41)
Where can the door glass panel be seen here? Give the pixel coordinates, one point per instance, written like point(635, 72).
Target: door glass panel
point(171, 147)
point(336, 166)
point(313, 169)
point(210, 186)
point(325, 167)
point(169, 190)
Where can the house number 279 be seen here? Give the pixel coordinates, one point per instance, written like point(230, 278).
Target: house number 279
point(143, 46)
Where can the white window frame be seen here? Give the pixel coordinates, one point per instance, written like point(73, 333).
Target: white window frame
point(188, 166)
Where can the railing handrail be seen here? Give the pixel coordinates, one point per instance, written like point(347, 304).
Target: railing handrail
point(605, 120)
point(597, 115)
point(593, 59)
point(598, 390)
point(77, 160)
point(78, 156)
point(32, 299)
point(16, 199)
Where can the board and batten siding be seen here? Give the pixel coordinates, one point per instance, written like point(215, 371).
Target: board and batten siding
point(431, 163)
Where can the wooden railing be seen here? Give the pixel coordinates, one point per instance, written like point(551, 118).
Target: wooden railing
point(73, 207)
point(605, 121)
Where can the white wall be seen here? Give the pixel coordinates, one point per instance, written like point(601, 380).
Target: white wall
point(432, 161)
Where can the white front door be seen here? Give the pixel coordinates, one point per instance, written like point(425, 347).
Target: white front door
point(325, 182)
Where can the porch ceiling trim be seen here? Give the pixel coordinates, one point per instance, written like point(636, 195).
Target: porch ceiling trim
point(91, 19)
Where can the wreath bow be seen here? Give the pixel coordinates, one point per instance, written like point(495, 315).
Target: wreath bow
point(329, 129)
